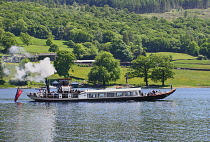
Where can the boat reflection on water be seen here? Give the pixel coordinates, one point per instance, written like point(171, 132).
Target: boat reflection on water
point(34, 124)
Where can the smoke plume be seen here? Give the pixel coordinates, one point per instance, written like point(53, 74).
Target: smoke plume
point(35, 71)
point(18, 50)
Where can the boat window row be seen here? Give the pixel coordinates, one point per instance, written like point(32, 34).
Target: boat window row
point(112, 94)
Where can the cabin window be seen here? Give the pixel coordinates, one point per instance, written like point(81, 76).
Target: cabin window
point(91, 95)
point(119, 94)
point(127, 93)
point(101, 95)
point(134, 93)
point(110, 94)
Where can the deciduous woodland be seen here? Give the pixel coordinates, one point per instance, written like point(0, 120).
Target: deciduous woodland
point(90, 29)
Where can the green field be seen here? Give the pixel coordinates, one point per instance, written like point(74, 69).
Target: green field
point(38, 46)
point(182, 78)
point(175, 56)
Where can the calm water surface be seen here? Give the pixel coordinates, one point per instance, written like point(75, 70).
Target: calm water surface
point(183, 116)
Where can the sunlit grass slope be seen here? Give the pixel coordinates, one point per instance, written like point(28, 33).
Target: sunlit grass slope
point(38, 46)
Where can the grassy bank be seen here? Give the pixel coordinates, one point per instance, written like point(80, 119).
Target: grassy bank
point(182, 78)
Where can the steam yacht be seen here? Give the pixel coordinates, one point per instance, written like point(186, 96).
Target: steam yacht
point(65, 92)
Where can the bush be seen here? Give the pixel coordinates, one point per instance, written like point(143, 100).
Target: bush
point(201, 57)
point(2, 82)
point(18, 83)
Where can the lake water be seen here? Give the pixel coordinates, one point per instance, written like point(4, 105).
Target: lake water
point(183, 116)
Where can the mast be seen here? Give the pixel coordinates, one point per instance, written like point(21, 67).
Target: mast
point(47, 85)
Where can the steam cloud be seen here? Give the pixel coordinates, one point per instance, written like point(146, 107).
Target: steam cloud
point(5, 70)
point(18, 50)
point(31, 71)
point(35, 71)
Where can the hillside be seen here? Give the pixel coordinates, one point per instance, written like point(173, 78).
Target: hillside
point(137, 6)
point(90, 30)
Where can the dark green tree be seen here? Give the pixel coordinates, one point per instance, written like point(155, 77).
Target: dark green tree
point(141, 68)
point(108, 36)
point(205, 49)
point(120, 51)
point(53, 48)
point(7, 40)
point(26, 38)
point(162, 69)
point(63, 63)
point(80, 51)
point(19, 26)
point(49, 42)
point(70, 44)
point(105, 69)
point(79, 36)
point(193, 48)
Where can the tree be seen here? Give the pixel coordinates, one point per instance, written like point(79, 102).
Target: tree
point(158, 68)
point(26, 38)
point(53, 48)
point(193, 48)
point(64, 62)
point(205, 49)
point(7, 40)
point(141, 68)
point(108, 36)
point(79, 36)
point(120, 51)
point(105, 69)
point(162, 69)
point(49, 42)
point(19, 26)
point(70, 44)
point(125, 37)
point(99, 74)
point(79, 50)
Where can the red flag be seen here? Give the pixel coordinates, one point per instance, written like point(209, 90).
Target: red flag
point(18, 93)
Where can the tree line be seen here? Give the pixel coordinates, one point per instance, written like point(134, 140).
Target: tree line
point(137, 6)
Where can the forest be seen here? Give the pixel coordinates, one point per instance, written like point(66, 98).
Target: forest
point(137, 6)
point(90, 29)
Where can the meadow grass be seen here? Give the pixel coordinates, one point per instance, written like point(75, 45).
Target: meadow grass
point(38, 46)
point(190, 78)
point(193, 66)
point(175, 56)
point(202, 62)
point(182, 78)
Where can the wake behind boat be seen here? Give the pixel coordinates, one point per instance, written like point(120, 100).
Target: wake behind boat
point(67, 93)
